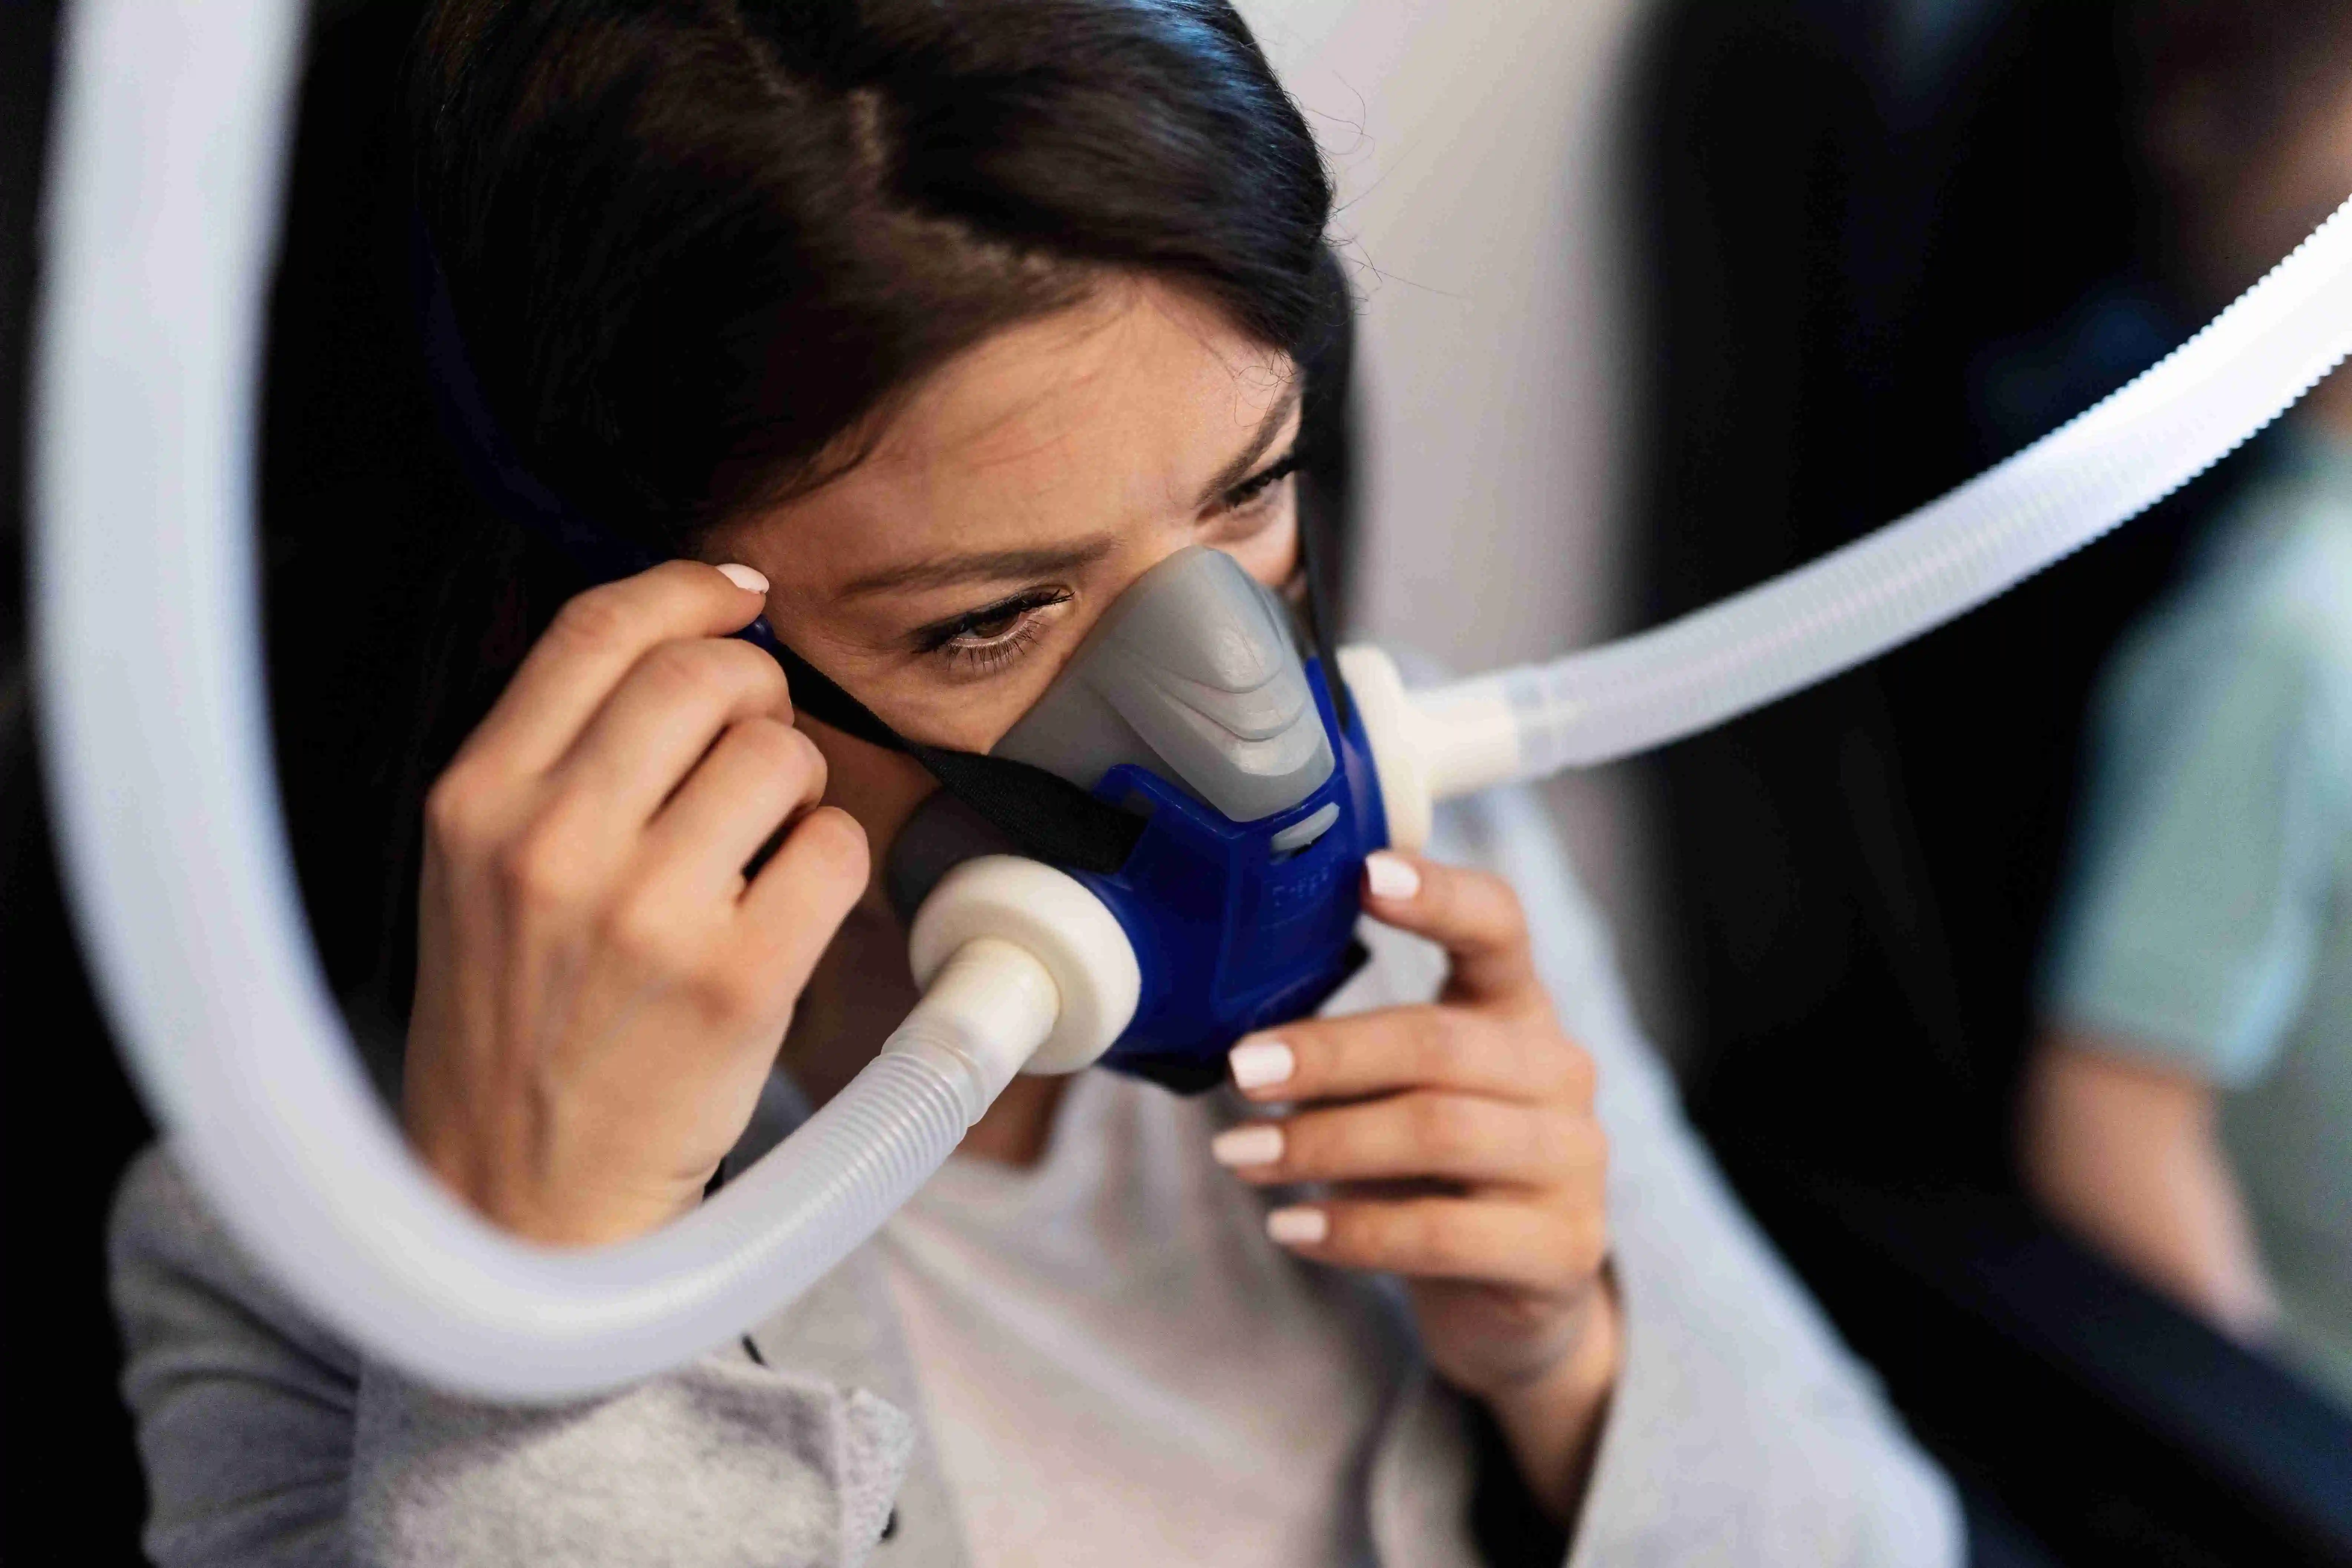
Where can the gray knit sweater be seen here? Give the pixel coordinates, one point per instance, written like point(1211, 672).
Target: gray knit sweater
point(1740, 1431)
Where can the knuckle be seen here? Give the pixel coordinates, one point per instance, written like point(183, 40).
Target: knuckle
point(1432, 1236)
point(538, 869)
point(1583, 1248)
point(1542, 1142)
point(1440, 1126)
point(774, 747)
point(758, 678)
point(1432, 1041)
point(835, 840)
point(456, 809)
point(676, 671)
point(767, 677)
point(1576, 1148)
point(596, 619)
point(1374, 1232)
point(815, 772)
point(1494, 901)
point(640, 929)
point(1591, 1145)
point(1578, 1076)
point(1310, 1143)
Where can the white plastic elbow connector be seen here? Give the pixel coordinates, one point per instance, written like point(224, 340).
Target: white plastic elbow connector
point(1049, 916)
point(1427, 746)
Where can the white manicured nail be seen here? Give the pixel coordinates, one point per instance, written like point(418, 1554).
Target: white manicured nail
point(1259, 1145)
point(1298, 1227)
point(743, 576)
point(1391, 877)
point(1258, 1063)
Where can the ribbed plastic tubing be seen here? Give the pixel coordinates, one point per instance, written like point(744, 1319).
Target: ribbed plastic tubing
point(2104, 467)
point(168, 154)
point(166, 163)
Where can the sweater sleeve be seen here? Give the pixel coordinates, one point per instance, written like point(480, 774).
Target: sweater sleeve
point(1741, 1432)
point(269, 1444)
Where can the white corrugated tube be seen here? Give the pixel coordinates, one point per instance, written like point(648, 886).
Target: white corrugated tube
point(162, 193)
point(2106, 466)
point(161, 198)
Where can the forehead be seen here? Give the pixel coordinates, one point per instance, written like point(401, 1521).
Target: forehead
point(1109, 416)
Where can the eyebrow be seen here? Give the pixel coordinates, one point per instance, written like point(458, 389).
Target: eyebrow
point(985, 566)
point(998, 565)
point(1235, 472)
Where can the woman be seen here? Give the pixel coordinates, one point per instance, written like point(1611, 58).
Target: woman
point(926, 329)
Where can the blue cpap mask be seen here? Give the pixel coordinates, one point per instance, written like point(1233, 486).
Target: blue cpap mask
point(1191, 708)
point(1192, 767)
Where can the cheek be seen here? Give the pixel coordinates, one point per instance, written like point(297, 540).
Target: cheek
point(1271, 556)
point(973, 716)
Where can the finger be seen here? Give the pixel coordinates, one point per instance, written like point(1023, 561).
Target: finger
point(1487, 1240)
point(1436, 1046)
point(665, 714)
point(1474, 915)
point(1448, 1137)
point(595, 639)
point(761, 773)
point(800, 896)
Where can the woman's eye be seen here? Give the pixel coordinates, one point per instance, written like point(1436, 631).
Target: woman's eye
point(988, 639)
point(995, 628)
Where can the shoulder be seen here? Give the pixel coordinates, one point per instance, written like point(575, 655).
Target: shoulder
point(186, 1291)
point(2272, 588)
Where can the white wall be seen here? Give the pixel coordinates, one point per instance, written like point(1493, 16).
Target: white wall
point(1478, 150)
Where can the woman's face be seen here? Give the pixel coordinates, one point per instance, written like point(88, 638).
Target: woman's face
point(946, 579)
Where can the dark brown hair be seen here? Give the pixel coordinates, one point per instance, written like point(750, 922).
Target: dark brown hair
point(695, 245)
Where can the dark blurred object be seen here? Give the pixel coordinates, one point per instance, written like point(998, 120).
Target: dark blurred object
point(1888, 243)
point(357, 499)
point(73, 1488)
point(363, 509)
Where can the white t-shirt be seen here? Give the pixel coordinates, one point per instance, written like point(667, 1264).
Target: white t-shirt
point(1119, 1367)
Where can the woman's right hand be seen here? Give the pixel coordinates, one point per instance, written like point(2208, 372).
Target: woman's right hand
point(600, 991)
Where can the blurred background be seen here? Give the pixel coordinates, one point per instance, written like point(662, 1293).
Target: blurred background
point(1660, 297)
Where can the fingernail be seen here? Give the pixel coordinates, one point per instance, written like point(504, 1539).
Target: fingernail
point(1259, 1145)
point(743, 576)
point(1298, 1227)
point(1258, 1063)
point(1391, 876)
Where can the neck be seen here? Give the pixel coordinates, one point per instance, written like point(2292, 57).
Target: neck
point(860, 992)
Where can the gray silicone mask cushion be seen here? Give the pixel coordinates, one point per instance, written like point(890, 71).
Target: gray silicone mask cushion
point(1193, 674)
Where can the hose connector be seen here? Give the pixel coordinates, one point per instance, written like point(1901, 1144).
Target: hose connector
point(1428, 746)
point(1051, 918)
point(982, 1015)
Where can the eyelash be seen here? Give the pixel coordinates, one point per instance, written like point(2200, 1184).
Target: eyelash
point(1250, 490)
point(993, 654)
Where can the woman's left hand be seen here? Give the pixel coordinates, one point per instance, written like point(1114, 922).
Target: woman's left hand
point(1462, 1152)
